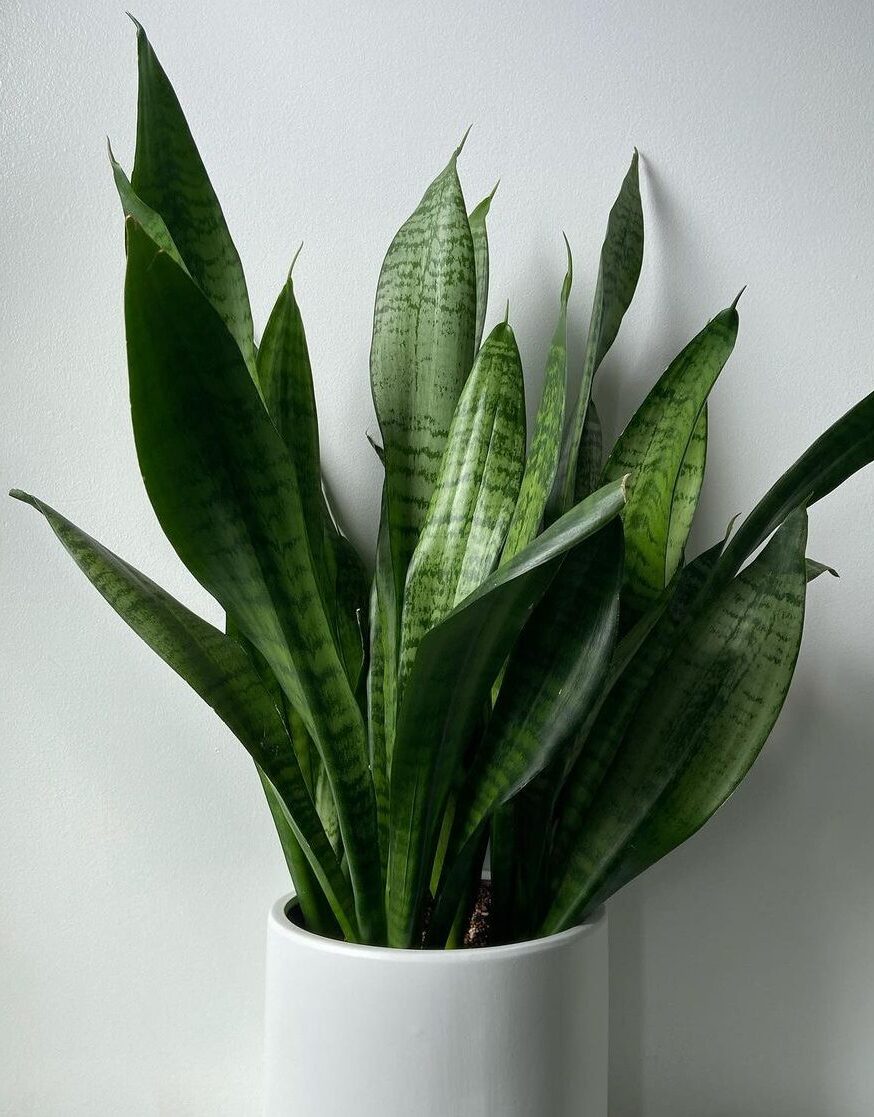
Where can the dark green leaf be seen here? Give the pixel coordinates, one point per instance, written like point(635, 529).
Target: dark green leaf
point(448, 687)
point(543, 455)
point(702, 721)
point(618, 272)
point(169, 178)
point(227, 495)
point(653, 447)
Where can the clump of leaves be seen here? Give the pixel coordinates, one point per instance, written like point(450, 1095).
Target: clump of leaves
point(533, 665)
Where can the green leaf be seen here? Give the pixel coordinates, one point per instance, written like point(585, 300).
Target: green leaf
point(542, 461)
point(654, 446)
point(554, 674)
point(847, 446)
point(701, 723)
point(133, 206)
point(228, 498)
point(317, 913)
point(618, 272)
point(687, 491)
point(219, 670)
point(449, 684)
point(475, 494)
point(478, 232)
point(421, 353)
point(590, 461)
point(170, 179)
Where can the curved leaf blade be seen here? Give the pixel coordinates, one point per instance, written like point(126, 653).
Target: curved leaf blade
point(543, 456)
point(217, 668)
point(718, 695)
point(653, 448)
point(169, 177)
point(449, 684)
point(478, 232)
point(618, 272)
point(226, 493)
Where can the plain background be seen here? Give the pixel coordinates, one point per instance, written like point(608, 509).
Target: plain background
point(137, 858)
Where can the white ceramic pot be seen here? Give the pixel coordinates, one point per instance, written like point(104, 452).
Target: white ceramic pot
point(503, 1031)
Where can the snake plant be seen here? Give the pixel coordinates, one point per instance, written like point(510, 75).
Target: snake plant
point(530, 664)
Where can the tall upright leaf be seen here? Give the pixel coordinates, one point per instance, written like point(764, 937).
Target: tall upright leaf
point(218, 669)
point(654, 446)
point(480, 237)
point(718, 694)
point(228, 498)
point(169, 177)
point(687, 491)
point(424, 324)
point(475, 494)
point(618, 272)
point(449, 684)
point(543, 456)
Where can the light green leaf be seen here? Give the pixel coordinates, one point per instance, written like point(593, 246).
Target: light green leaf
point(449, 684)
point(480, 237)
point(654, 446)
point(228, 498)
point(542, 461)
point(136, 208)
point(702, 721)
point(170, 179)
point(687, 490)
point(421, 353)
point(475, 494)
point(219, 670)
point(618, 272)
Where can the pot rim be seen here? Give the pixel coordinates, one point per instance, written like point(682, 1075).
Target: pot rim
point(282, 925)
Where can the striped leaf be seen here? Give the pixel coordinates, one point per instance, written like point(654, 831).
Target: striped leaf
point(480, 237)
point(170, 179)
point(475, 494)
point(135, 207)
point(654, 446)
point(687, 491)
point(554, 674)
point(590, 461)
point(717, 697)
point(455, 666)
point(219, 670)
point(543, 455)
point(227, 495)
point(421, 353)
point(618, 272)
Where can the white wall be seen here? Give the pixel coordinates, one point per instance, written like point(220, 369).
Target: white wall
point(137, 856)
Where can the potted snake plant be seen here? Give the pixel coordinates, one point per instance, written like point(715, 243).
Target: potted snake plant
point(530, 664)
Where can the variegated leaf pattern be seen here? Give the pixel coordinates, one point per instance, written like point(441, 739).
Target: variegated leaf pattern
point(475, 493)
point(687, 490)
point(653, 449)
point(421, 353)
point(590, 460)
point(480, 236)
point(451, 678)
point(169, 178)
point(618, 272)
point(219, 670)
point(717, 697)
point(227, 495)
point(543, 455)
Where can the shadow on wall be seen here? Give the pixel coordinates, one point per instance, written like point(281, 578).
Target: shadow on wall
point(730, 995)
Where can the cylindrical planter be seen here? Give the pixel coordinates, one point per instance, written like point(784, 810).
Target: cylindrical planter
point(502, 1031)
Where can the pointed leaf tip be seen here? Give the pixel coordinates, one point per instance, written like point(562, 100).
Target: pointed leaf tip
point(737, 297)
point(294, 259)
point(460, 147)
point(140, 29)
point(569, 277)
